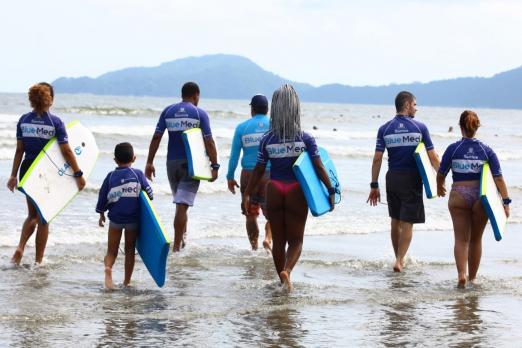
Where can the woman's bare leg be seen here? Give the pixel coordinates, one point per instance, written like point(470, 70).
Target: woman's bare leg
point(296, 212)
point(276, 215)
point(478, 224)
point(27, 231)
point(461, 217)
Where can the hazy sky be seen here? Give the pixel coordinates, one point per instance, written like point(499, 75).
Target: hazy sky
point(315, 41)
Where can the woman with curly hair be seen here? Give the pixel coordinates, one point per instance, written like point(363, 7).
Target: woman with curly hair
point(465, 158)
point(287, 209)
point(33, 131)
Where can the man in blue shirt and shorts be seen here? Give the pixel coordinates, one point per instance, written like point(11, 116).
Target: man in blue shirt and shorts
point(246, 138)
point(176, 119)
point(400, 136)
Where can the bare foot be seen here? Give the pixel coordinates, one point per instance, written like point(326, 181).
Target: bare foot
point(462, 282)
point(398, 266)
point(267, 246)
point(253, 244)
point(108, 278)
point(17, 256)
point(175, 248)
point(285, 279)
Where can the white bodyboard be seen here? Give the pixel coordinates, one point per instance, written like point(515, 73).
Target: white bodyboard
point(197, 158)
point(49, 182)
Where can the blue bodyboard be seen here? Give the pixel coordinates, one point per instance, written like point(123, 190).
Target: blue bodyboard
point(152, 242)
point(314, 190)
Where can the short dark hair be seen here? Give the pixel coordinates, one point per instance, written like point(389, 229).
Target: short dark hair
point(189, 89)
point(260, 109)
point(402, 98)
point(124, 153)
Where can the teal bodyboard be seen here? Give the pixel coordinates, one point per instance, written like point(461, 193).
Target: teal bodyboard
point(152, 242)
point(315, 191)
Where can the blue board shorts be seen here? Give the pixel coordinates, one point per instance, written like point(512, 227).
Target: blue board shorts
point(183, 187)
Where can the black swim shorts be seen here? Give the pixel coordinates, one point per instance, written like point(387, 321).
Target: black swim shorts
point(24, 167)
point(404, 196)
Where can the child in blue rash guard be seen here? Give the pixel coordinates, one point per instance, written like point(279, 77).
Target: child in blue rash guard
point(119, 195)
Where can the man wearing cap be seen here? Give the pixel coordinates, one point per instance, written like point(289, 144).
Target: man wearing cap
point(246, 138)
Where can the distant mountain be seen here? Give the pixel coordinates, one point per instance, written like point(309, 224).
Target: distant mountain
point(235, 77)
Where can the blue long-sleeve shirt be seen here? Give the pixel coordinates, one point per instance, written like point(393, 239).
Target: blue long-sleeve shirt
point(246, 138)
point(120, 195)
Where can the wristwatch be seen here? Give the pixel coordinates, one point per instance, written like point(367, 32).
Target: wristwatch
point(506, 201)
point(332, 190)
point(78, 174)
point(374, 185)
point(215, 166)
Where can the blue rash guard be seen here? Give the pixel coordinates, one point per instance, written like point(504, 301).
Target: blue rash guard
point(119, 194)
point(466, 158)
point(247, 137)
point(177, 118)
point(282, 155)
point(35, 131)
point(400, 137)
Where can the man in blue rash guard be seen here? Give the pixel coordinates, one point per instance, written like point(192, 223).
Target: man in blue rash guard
point(246, 138)
point(400, 136)
point(177, 118)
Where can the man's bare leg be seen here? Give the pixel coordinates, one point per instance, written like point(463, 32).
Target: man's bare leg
point(252, 230)
point(180, 225)
point(406, 231)
point(267, 243)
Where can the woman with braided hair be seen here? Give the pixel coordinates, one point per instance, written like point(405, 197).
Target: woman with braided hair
point(287, 209)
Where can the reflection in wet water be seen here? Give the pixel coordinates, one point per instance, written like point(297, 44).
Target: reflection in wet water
point(467, 322)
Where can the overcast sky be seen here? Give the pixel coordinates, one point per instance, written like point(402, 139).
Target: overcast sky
point(316, 41)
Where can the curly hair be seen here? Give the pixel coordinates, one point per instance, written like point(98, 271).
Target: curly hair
point(469, 122)
point(41, 97)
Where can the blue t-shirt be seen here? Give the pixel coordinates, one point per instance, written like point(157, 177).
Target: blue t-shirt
point(177, 118)
point(247, 137)
point(35, 131)
point(466, 158)
point(120, 195)
point(282, 155)
point(400, 136)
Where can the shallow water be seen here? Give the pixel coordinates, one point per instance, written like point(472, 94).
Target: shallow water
point(220, 293)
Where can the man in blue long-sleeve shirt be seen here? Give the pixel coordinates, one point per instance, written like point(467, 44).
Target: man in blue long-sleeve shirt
point(246, 138)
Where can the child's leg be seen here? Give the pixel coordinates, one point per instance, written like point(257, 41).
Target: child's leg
point(130, 252)
point(113, 244)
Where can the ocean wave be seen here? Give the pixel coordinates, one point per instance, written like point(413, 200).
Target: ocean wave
point(108, 110)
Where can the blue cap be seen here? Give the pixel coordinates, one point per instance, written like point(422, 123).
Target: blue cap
point(259, 100)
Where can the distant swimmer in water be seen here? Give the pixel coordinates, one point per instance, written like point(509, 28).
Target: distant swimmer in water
point(246, 139)
point(177, 118)
point(466, 209)
point(33, 131)
point(119, 194)
point(400, 136)
point(286, 205)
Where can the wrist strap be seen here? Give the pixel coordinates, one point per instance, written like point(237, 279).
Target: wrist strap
point(374, 185)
